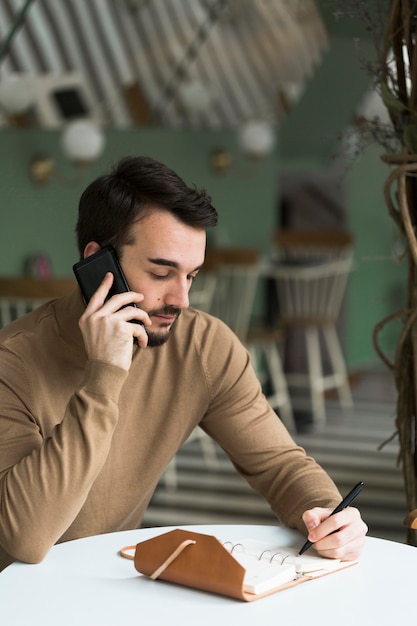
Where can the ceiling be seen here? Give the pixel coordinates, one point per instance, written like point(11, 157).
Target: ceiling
point(173, 63)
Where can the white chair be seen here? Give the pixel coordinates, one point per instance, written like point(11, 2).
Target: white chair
point(201, 297)
point(203, 291)
point(20, 295)
point(311, 281)
point(238, 275)
point(12, 308)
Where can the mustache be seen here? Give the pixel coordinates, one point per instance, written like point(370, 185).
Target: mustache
point(166, 310)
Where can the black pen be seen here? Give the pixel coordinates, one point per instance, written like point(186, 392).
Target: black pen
point(345, 502)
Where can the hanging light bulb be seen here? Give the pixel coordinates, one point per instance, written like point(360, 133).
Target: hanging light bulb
point(195, 97)
point(16, 93)
point(17, 98)
point(257, 138)
point(82, 141)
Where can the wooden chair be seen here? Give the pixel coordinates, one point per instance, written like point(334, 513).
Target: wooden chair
point(201, 297)
point(307, 244)
point(20, 295)
point(310, 273)
point(203, 291)
point(238, 274)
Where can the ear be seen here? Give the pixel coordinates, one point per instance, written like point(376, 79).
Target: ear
point(91, 248)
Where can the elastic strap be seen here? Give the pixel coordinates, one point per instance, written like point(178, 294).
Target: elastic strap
point(172, 557)
point(188, 542)
point(124, 552)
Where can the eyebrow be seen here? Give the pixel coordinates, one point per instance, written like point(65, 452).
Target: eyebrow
point(168, 263)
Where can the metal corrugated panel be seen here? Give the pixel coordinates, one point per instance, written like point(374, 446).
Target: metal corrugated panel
point(141, 53)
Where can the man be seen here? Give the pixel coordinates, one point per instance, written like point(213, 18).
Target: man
point(89, 419)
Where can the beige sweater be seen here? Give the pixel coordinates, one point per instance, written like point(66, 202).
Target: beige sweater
point(84, 443)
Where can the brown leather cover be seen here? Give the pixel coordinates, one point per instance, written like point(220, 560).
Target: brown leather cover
point(205, 565)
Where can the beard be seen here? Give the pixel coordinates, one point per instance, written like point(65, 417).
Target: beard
point(161, 336)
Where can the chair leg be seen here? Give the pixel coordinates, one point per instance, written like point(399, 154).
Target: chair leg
point(339, 367)
point(255, 353)
point(208, 448)
point(315, 374)
point(280, 397)
point(169, 477)
point(209, 452)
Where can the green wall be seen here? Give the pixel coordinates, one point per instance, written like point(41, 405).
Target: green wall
point(309, 139)
point(314, 127)
point(377, 286)
point(42, 218)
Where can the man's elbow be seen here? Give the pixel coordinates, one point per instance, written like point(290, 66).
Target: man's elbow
point(24, 552)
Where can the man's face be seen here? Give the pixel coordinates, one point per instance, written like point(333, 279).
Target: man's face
point(161, 263)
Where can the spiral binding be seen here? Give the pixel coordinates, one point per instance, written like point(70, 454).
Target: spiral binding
point(273, 558)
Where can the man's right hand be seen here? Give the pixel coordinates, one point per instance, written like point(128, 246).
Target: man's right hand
point(106, 328)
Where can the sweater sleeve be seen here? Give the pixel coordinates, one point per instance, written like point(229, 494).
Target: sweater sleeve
point(44, 480)
point(240, 419)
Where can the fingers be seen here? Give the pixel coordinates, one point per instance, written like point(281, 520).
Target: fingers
point(98, 298)
point(107, 327)
point(313, 517)
point(339, 536)
point(118, 303)
point(130, 315)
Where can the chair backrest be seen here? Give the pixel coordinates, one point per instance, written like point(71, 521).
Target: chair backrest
point(311, 294)
point(237, 271)
point(311, 274)
point(12, 308)
point(306, 245)
point(203, 290)
point(21, 295)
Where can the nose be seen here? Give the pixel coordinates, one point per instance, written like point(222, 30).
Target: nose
point(178, 294)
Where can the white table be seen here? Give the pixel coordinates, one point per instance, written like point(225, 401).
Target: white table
point(86, 582)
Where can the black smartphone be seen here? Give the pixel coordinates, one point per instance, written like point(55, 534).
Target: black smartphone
point(90, 272)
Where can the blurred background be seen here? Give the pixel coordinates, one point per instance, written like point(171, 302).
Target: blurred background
point(258, 101)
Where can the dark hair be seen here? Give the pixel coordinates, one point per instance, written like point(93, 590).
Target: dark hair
point(136, 185)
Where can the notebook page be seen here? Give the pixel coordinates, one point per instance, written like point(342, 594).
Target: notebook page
point(262, 574)
point(286, 563)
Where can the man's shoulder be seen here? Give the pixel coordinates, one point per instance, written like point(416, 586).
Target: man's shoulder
point(205, 331)
point(25, 323)
point(41, 328)
point(54, 317)
point(201, 321)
